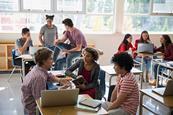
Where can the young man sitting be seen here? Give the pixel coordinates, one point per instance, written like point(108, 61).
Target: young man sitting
point(22, 47)
point(35, 81)
point(125, 96)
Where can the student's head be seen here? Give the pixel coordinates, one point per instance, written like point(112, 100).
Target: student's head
point(43, 58)
point(127, 39)
point(90, 55)
point(165, 40)
point(144, 36)
point(68, 23)
point(25, 33)
point(49, 19)
point(123, 62)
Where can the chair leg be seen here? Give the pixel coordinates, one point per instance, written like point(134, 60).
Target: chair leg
point(11, 74)
point(21, 77)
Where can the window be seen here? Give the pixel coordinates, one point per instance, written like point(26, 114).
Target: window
point(137, 19)
point(9, 5)
point(100, 6)
point(90, 16)
point(41, 5)
point(70, 6)
point(162, 6)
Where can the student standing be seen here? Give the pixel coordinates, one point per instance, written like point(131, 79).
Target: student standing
point(89, 69)
point(22, 47)
point(48, 35)
point(74, 48)
point(35, 81)
point(167, 49)
point(144, 38)
point(125, 96)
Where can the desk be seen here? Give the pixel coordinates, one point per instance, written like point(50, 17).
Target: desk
point(67, 110)
point(166, 65)
point(109, 69)
point(166, 101)
point(25, 57)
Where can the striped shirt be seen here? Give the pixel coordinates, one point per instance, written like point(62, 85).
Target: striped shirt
point(33, 83)
point(128, 85)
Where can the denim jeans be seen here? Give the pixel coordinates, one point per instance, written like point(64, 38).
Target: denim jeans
point(66, 60)
point(56, 52)
point(147, 63)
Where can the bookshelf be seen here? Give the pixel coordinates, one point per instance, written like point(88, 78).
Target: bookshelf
point(6, 56)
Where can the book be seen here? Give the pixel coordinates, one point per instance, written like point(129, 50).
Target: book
point(79, 80)
point(92, 103)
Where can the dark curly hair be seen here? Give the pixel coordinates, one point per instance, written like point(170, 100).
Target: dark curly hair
point(93, 52)
point(42, 55)
point(124, 60)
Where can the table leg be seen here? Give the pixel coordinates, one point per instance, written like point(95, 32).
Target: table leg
point(23, 67)
point(141, 103)
point(143, 67)
point(110, 80)
point(141, 75)
point(157, 78)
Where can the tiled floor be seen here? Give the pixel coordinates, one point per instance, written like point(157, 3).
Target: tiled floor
point(10, 96)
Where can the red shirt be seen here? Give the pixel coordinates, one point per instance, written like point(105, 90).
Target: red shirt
point(168, 52)
point(123, 47)
point(87, 76)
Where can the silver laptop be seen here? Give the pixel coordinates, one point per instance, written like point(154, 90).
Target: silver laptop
point(145, 48)
point(166, 91)
point(50, 98)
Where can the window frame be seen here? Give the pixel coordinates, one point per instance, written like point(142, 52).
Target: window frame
point(156, 13)
point(71, 12)
point(36, 11)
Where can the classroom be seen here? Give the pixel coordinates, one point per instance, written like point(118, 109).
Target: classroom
point(86, 57)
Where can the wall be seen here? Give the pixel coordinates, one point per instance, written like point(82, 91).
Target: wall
point(108, 43)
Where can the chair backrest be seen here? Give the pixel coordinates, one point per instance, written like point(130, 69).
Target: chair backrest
point(13, 52)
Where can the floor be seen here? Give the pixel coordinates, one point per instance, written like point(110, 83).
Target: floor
point(10, 97)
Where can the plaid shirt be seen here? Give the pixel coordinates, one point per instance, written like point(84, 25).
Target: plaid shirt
point(33, 83)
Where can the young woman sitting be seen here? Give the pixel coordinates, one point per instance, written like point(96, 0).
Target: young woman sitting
point(126, 44)
point(167, 49)
point(89, 69)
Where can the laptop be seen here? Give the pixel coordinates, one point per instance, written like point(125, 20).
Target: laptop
point(145, 48)
point(166, 91)
point(63, 97)
point(33, 50)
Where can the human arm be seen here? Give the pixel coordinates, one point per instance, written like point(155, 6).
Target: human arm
point(23, 48)
point(41, 37)
point(69, 71)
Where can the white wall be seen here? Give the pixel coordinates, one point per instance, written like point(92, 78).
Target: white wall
point(108, 43)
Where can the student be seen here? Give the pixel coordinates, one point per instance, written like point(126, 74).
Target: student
point(35, 81)
point(144, 38)
point(167, 49)
point(126, 44)
point(89, 69)
point(48, 35)
point(22, 47)
point(125, 96)
point(77, 43)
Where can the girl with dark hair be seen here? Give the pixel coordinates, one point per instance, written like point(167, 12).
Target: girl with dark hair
point(126, 44)
point(167, 49)
point(89, 69)
point(144, 38)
